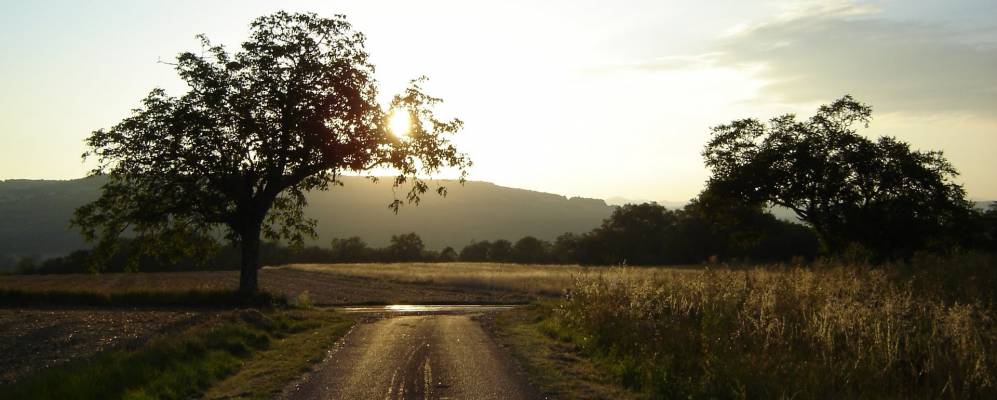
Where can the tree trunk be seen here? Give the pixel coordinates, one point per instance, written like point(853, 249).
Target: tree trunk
point(250, 246)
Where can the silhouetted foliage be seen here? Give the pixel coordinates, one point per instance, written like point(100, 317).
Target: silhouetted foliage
point(852, 190)
point(634, 234)
point(448, 254)
point(704, 230)
point(990, 227)
point(565, 249)
point(288, 113)
point(476, 251)
point(351, 249)
point(530, 250)
point(405, 247)
point(983, 229)
point(500, 251)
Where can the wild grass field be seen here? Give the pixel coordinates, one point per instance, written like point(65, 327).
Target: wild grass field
point(538, 280)
point(922, 330)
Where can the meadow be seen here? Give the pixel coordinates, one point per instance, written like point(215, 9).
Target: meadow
point(537, 280)
point(920, 329)
point(832, 330)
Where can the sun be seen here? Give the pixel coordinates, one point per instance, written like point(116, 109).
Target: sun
point(400, 123)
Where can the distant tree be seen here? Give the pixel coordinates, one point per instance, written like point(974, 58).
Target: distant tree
point(565, 248)
point(448, 254)
point(405, 247)
point(26, 264)
point(530, 250)
point(986, 237)
point(351, 249)
point(713, 225)
point(291, 111)
point(850, 189)
point(476, 251)
point(634, 234)
point(7, 261)
point(311, 254)
point(500, 251)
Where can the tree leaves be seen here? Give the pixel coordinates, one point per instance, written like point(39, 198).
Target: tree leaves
point(850, 189)
point(291, 110)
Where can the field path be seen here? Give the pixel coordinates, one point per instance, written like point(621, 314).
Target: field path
point(443, 354)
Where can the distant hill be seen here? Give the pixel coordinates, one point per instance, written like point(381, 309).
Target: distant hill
point(34, 214)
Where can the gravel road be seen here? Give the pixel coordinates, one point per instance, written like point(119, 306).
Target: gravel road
point(438, 354)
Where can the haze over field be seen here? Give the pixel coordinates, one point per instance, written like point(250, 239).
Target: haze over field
point(34, 215)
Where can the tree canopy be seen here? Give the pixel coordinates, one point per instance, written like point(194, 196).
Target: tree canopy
point(852, 190)
point(289, 112)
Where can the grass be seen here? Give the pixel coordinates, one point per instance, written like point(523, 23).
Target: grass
point(554, 364)
point(190, 298)
point(288, 357)
point(183, 365)
point(542, 280)
point(925, 330)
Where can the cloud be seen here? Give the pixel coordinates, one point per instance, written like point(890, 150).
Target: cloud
point(820, 53)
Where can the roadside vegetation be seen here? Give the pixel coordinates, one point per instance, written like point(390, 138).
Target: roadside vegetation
point(925, 329)
point(257, 351)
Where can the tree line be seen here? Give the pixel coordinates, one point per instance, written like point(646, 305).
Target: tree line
point(635, 234)
point(296, 107)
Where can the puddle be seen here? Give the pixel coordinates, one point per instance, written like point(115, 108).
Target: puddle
point(424, 309)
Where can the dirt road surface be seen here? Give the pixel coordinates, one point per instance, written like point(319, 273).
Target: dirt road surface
point(412, 353)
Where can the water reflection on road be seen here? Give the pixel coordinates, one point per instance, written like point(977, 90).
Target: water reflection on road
point(426, 308)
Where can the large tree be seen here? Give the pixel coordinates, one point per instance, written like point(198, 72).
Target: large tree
point(879, 193)
point(289, 112)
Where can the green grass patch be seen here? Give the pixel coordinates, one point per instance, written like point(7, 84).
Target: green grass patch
point(269, 371)
point(177, 366)
point(190, 298)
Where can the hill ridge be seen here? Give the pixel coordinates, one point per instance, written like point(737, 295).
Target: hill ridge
point(35, 213)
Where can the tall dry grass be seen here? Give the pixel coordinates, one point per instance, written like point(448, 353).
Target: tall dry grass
point(546, 280)
point(830, 331)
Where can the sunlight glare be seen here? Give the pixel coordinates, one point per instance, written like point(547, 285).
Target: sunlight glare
point(400, 123)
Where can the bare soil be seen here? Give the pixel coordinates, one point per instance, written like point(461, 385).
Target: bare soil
point(32, 340)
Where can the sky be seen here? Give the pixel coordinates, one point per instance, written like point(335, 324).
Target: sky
point(581, 98)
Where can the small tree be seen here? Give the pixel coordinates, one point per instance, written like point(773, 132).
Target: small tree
point(448, 254)
point(530, 250)
point(291, 111)
point(351, 249)
point(500, 251)
point(476, 251)
point(405, 247)
point(850, 189)
point(565, 248)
